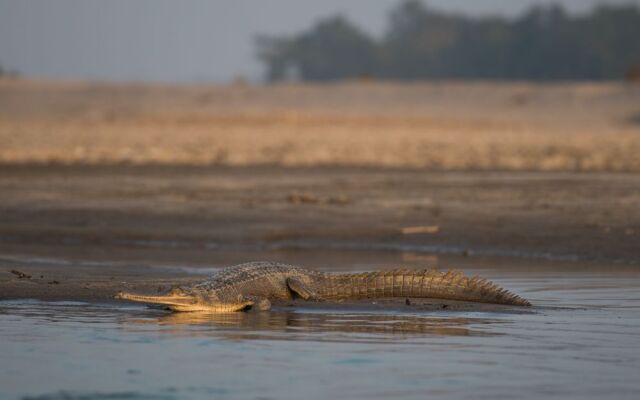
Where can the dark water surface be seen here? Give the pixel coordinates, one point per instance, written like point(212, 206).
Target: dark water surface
point(581, 340)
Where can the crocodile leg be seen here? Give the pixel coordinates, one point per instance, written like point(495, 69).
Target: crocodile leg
point(260, 303)
point(297, 286)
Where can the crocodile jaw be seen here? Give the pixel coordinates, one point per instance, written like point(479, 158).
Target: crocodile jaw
point(181, 302)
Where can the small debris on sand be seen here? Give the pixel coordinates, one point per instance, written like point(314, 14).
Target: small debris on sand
point(339, 200)
point(303, 198)
point(310, 198)
point(413, 230)
point(21, 275)
point(53, 282)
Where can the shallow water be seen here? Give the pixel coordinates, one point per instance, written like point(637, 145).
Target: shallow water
point(581, 340)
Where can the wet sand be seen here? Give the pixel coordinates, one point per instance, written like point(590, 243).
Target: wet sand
point(87, 232)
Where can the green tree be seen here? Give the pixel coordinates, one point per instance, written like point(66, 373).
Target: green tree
point(333, 49)
point(546, 43)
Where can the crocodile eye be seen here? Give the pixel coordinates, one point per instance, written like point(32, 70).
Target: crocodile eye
point(177, 291)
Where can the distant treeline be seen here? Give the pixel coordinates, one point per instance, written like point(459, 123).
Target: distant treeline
point(546, 43)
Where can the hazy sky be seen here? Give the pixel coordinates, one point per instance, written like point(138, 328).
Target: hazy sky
point(195, 40)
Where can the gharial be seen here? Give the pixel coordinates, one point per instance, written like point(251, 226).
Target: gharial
point(256, 284)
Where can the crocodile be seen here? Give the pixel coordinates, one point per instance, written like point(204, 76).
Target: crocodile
point(257, 284)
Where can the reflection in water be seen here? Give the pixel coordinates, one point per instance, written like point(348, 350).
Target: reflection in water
point(291, 325)
point(288, 324)
point(66, 395)
point(580, 341)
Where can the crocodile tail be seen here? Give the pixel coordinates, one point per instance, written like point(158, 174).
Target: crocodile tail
point(428, 283)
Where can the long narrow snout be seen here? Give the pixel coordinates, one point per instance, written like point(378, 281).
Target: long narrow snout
point(182, 302)
point(168, 299)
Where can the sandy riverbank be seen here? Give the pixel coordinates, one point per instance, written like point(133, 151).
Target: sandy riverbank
point(105, 187)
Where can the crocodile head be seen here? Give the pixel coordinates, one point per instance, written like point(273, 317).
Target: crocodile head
point(180, 300)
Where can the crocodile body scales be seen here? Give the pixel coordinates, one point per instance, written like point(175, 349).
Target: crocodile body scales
point(257, 284)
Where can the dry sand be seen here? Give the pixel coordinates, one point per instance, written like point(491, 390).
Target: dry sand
point(436, 126)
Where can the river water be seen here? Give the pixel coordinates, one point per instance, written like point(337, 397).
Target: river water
point(580, 340)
